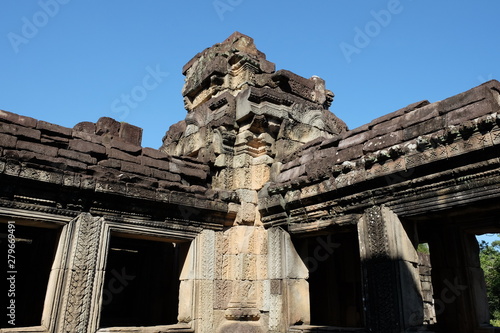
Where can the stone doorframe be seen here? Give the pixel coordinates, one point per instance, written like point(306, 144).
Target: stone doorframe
point(54, 291)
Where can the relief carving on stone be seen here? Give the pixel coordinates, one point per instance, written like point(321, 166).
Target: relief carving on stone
point(81, 269)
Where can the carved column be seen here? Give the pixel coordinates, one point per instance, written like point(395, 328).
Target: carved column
point(80, 298)
point(245, 279)
point(393, 296)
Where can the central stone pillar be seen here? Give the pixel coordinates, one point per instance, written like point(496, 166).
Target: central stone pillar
point(245, 279)
point(393, 295)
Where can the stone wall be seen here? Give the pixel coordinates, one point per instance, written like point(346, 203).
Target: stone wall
point(425, 268)
point(379, 147)
point(104, 152)
point(105, 159)
point(414, 144)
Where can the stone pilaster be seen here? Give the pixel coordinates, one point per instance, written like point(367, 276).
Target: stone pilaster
point(81, 297)
point(245, 279)
point(393, 295)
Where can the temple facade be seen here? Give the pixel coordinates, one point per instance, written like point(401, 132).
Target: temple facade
point(260, 212)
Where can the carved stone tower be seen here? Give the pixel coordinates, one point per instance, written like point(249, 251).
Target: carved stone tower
point(244, 120)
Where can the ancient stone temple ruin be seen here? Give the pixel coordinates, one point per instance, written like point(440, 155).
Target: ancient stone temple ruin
point(260, 212)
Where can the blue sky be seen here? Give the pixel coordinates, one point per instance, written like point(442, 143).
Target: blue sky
point(66, 61)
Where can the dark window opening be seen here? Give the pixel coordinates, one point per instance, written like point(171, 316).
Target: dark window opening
point(141, 285)
point(27, 272)
point(335, 290)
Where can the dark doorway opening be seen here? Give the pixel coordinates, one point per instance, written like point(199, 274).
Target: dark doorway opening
point(458, 281)
point(141, 285)
point(27, 271)
point(334, 267)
